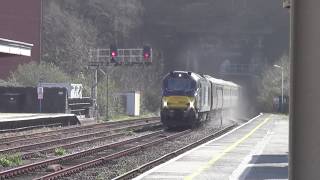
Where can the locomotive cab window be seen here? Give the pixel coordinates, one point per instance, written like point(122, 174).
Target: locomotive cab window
point(180, 84)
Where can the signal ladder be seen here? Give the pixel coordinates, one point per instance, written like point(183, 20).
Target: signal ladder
point(103, 57)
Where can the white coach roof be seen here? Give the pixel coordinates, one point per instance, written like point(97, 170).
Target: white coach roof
point(220, 81)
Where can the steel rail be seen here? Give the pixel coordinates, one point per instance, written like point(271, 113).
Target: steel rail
point(147, 166)
point(99, 161)
point(38, 165)
point(68, 130)
point(83, 130)
point(73, 138)
point(51, 149)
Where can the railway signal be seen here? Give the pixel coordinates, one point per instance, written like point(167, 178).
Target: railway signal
point(113, 52)
point(146, 52)
point(114, 56)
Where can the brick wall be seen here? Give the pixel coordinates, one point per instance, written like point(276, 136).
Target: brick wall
point(19, 21)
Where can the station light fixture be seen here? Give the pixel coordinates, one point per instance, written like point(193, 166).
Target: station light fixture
point(280, 67)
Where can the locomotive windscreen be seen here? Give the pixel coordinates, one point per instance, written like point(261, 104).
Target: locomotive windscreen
point(177, 85)
point(180, 84)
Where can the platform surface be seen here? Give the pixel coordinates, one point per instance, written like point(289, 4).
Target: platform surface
point(256, 150)
point(5, 117)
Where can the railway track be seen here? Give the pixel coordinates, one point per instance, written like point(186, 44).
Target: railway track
point(50, 146)
point(57, 134)
point(80, 161)
point(92, 157)
point(164, 158)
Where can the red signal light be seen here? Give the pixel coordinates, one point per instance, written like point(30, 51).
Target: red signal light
point(146, 55)
point(113, 54)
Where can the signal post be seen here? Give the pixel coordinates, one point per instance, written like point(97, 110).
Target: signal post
point(114, 57)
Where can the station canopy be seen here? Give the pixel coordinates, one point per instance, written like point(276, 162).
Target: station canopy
point(15, 47)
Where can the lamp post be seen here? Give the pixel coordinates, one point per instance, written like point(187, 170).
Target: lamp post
point(277, 66)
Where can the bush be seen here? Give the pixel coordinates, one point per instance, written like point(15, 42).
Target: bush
point(108, 91)
point(31, 74)
point(150, 102)
point(6, 83)
point(270, 84)
point(60, 151)
point(10, 160)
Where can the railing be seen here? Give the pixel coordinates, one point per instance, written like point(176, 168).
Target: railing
point(124, 57)
point(80, 106)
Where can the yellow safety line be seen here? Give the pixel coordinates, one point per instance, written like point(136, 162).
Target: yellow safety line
point(231, 147)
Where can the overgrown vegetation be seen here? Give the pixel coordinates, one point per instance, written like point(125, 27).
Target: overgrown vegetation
point(10, 160)
point(270, 84)
point(71, 28)
point(60, 151)
point(110, 102)
point(110, 91)
point(32, 73)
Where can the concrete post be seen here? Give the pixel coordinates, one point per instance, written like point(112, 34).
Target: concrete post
point(305, 90)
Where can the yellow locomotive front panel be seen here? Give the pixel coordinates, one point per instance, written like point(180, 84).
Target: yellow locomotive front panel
point(178, 102)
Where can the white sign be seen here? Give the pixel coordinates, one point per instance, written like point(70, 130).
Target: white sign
point(40, 92)
point(76, 91)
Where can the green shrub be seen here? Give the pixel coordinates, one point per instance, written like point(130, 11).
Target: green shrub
point(10, 160)
point(32, 73)
point(5, 162)
point(270, 83)
point(60, 151)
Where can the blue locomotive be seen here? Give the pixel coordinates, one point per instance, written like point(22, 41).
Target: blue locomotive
point(188, 98)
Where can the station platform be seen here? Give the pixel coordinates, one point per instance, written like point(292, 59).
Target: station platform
point(255, 150)
point(21, 120)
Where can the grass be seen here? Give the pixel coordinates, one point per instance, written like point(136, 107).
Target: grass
point(126, 117)
point(10, 160)
point(60, 151)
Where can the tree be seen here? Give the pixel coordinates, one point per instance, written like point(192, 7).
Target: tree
point(270, 84)
point(110, 102)
point(67, 39)
point(72, 27)
point(145, 78)
point(32, 73)
point(6, 83)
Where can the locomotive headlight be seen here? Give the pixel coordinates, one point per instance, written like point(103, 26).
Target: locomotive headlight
point(164, 103)
point(191, 104)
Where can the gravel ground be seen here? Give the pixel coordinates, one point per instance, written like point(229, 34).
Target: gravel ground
point(105, 142)
point(130, 134)
point(122, 165)
point(52, 136)
point(27, 132)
